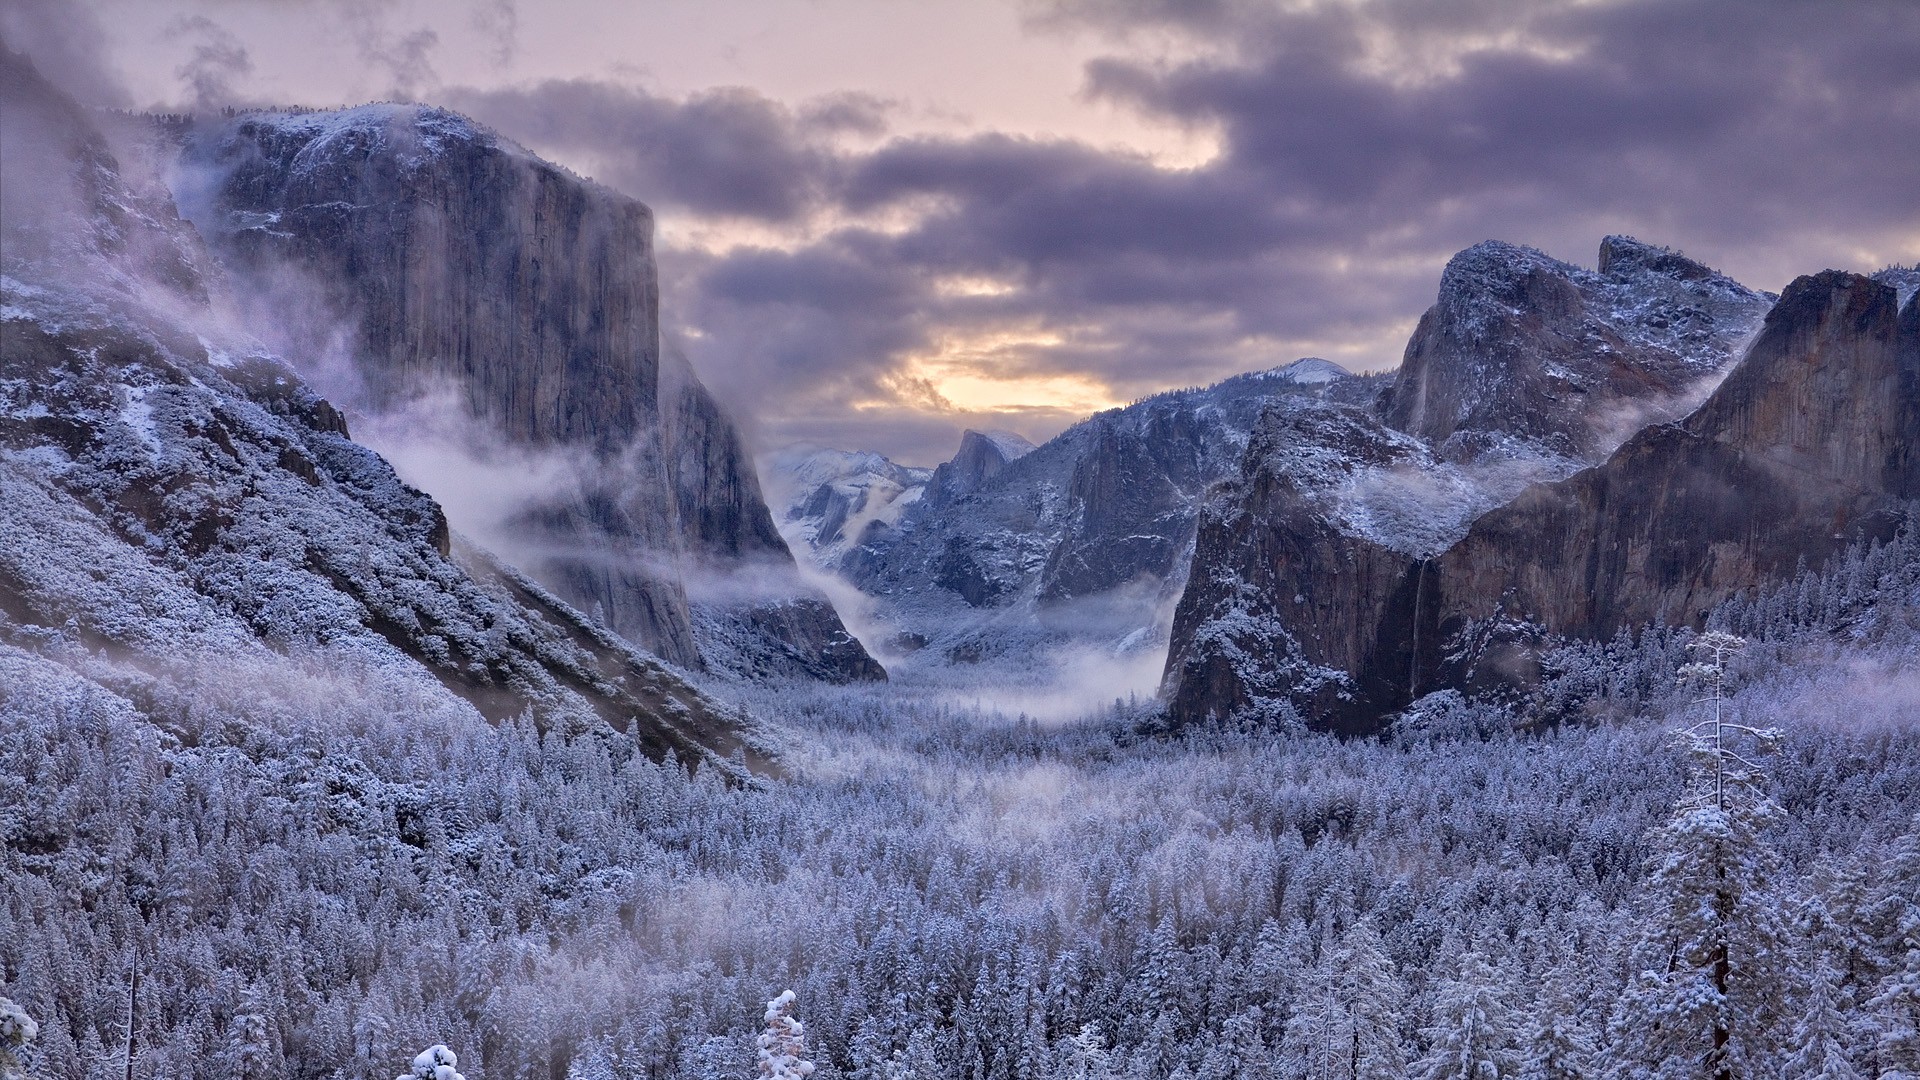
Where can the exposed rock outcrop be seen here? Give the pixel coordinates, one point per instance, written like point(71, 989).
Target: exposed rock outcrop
point(182, 520)
point(1809, 444)
point(1520, 346)
point(982, 456)
point(1084, 539)
point(462, 261)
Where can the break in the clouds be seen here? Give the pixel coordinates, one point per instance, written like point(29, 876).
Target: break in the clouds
point(843, 273)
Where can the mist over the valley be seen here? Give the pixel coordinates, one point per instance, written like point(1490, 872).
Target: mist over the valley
point(1099, 541)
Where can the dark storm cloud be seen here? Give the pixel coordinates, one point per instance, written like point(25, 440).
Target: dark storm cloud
point(728, 152)
point(1361, 145)
point(1713, 111)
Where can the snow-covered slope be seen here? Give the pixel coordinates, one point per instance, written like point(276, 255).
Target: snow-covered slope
point(448, 281)
point(826, 499)
point(1010, 551)
point(184, 522)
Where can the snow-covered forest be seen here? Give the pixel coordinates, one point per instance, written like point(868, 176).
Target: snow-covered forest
point(1555, 888)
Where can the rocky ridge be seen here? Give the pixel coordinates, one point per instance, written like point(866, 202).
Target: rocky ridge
point(182, 520)
point(462, 262)
point(1804, 448)
point(1522, 347)
point(1007, 551)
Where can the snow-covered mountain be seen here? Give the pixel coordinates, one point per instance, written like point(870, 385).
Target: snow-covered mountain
point(187, 529)
point(1523, 354)
point(1008, 550)
point(478, 303)
point(827, 499)
point(1295, 602)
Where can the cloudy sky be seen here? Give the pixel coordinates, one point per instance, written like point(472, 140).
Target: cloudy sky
point(882, 221)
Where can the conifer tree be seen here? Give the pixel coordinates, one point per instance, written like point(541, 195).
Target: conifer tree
point(17, 1029)
point(1472, 1035)
point(1347, 1020)
point(1709, 998)
point(783, 1045)
point(436, 1062)
point(1557, 1045)
point(1086, 1055)
point(1819, 1050)
point(251, 1052)
point(1896, 1011)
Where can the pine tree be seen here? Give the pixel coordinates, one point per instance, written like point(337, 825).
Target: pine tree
point(1087, 1057)
point(1346, 1022)
point(1819, 1038)
point(593, 1062)
point(1472, 1035)
point(1557, 1045)
point(251, 1050)
point(436, 1062)
point(1896, 1011)
point(784, 1042)
point(1709, 1001)
point(17, 1029)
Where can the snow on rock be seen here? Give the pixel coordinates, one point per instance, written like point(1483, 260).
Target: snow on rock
point(827, 499)
point(1310, 370)
point(1080, 543)
point(183, 521)
point(1522, 346)
point(403, 226)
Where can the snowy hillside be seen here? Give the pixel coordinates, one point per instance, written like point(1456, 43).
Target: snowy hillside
point(825, 500)
point(189, 529)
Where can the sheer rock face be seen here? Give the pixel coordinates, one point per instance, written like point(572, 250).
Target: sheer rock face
point(1523, 346)
point(982, 456)
point(461, 261)
point(185, 524)
point(1286, 598)
point(1806, 446)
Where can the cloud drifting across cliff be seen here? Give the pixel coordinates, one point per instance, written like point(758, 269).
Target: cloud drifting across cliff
point(846, 272)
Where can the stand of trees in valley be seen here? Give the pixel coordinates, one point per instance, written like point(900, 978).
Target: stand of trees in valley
point(1553, 887)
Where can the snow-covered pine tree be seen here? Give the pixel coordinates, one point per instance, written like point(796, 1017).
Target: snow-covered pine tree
point(1346, 1023)
point(1711, 997)
point(783, 1045)
point(1472, 1036)
point(593, 1062)
point(1819, 1050)
point(1086, 1056)
point(1557, 1044)
point(1896, 1012)
point(251, 1050)
point(436, 1062)
point(17, 1029)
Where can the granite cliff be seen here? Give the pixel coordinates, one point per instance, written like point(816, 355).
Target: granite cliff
point(184, 521)
point(1807, 445)
point(462, 263)
point(1522, 347)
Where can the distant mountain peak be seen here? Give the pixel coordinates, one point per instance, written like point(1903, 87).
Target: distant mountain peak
point(1011, 446)
point(1312, 370)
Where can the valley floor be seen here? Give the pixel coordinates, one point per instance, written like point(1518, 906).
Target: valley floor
point(952, 892)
